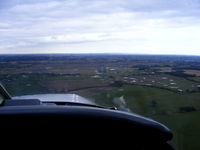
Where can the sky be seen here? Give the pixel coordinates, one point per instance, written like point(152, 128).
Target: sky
point(100, 26)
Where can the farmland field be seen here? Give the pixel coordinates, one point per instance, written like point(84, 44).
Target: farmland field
point(193, 72)
point(164, 88)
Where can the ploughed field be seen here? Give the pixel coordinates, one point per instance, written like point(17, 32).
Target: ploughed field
point(164, 88)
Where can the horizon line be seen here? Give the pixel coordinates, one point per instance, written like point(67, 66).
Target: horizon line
point(98, 54)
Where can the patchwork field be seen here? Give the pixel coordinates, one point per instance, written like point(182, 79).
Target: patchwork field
point(164, 88)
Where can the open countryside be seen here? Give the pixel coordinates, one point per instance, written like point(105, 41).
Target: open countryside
point(164, 88)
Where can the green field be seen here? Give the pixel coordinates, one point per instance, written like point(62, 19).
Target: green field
point(163, 106)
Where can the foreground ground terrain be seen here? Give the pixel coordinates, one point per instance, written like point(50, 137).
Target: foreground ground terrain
point(164, 88)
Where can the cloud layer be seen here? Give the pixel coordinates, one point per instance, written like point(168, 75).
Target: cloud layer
point(95, 26)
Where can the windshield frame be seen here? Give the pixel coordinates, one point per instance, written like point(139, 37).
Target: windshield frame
point(3, 94)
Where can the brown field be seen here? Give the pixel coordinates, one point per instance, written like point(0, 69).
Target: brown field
point(192, 72)
point(63, 86)
point(91, 92)
point(165, 69)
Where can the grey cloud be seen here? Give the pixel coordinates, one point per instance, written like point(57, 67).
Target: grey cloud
point(24, 22)
point(80, 8)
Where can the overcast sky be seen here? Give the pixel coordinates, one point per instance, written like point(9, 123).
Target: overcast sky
point(98, 26)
